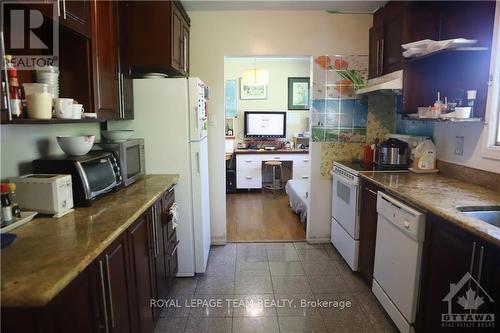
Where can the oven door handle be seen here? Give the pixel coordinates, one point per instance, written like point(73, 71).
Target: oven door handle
point(104, 190)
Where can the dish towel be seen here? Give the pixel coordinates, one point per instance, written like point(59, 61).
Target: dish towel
point(174, 212)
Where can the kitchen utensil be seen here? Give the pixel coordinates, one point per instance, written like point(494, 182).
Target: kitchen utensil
point(32, 88)
point(76, 145)
point(394, 153)
point(45, 193)
point(39, 102)
point(117, 135)
point(77, 111)
point(63, 108)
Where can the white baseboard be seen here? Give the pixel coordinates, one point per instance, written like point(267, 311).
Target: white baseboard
point(319, 240)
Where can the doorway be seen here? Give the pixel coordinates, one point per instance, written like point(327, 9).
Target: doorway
point(267, 139)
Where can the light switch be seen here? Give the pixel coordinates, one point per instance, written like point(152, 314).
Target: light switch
point(211, 119)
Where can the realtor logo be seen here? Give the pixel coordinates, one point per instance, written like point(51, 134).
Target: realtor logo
point(469, 297)
point(31, 33)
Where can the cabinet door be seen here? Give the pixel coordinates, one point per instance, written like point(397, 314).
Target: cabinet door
point(140, 244)
point(118, 283)
point(374, 62)
point(161, 268)
point(447, 256)
point(185, 49)
point(105, 46)
point(76, 15)
point(176, 47)
point(391, 44)
point(367, 230)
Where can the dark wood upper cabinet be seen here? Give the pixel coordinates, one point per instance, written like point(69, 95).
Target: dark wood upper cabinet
point(374, 59)
point(105, 56)
point(449, 253)
point(157, 37)
point(76, 15)
point(367, 230)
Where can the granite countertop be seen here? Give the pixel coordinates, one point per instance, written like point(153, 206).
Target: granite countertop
point(441, 195)
point(276, 151)
point(49, 253)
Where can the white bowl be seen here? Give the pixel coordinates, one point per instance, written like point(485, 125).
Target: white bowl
point(76, 145)
point(117, 135)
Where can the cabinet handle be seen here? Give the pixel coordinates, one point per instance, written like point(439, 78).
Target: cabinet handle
point(378, 57)
point(305, 160)
point(248, 161)
point(104, 303)
point(471, 266)
point(175, 248)
point(153, 230)
point(305, 177)
point(58, 8)
point(372, 192)
point(185, 54)
point(122, 95)
point(480, 268)
point(381, 56)
point(110, 293)
point(64, 8)
point(277, 157)
point(248, 177)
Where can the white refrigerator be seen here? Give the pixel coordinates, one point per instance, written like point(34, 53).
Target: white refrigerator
point(170, 114)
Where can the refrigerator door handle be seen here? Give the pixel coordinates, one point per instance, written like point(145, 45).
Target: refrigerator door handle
point(197, 163)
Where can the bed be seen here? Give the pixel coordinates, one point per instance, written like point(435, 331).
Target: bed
point(298, 192)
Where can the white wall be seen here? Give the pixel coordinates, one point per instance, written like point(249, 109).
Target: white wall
point(473, 133)
point(280, 69)
point(21, 144)
point(215, 34)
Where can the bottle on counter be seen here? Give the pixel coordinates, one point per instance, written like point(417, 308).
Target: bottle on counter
point(7, 216)
point(16, 211)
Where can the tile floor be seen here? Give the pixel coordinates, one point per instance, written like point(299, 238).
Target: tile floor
point(283, 276)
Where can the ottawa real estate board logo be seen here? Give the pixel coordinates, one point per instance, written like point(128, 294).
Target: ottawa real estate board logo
point(466, 299)
point(30, 33)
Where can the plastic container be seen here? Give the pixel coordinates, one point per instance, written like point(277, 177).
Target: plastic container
point(39, 105)
point(424, 156)
point(32, 88)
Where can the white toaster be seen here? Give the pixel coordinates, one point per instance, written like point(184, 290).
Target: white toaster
point(44, 193)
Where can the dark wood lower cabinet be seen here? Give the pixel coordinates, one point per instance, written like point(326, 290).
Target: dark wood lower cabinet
point(141, 262)
point(449, 254)
point(367, 230)
point(113, 293)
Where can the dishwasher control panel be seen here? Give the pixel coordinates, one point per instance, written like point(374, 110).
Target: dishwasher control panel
point(407, 219)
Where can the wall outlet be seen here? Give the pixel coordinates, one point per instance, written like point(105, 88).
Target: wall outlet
point(459, 145)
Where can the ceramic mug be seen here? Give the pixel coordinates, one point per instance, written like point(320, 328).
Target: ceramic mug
point(63, 108)
point(77, 111)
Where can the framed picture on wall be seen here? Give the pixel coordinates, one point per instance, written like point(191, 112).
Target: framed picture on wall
point(298, 93)
point(252, 91)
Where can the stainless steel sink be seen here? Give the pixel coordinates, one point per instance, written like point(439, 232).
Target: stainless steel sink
point(488, 214)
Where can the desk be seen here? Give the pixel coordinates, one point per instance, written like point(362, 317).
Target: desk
point(249, 165)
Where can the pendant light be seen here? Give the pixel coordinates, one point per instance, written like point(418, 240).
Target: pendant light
point(255, 76)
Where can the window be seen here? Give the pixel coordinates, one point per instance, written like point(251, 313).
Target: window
point(492, 136)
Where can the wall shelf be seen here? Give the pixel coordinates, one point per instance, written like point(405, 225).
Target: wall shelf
point(448, 51)
point(49, 121)
point(445, 120)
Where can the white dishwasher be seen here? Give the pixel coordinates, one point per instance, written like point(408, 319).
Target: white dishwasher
point(398, 254)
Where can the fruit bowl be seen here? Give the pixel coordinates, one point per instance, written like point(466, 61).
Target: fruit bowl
point(117, 135)
point(76, 145)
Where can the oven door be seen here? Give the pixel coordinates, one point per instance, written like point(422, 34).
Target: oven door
point(345, 204)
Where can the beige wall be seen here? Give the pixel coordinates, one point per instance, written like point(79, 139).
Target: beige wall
point(215, 34)
point(280, 69)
